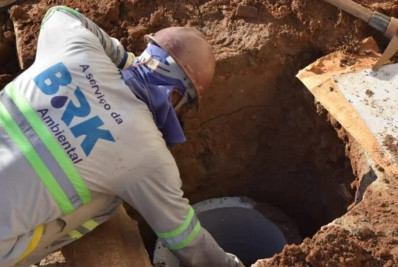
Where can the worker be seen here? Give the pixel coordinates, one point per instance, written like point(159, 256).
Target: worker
point(88, 126)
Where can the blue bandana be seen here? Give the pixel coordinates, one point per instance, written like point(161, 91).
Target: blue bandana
point(155, 90)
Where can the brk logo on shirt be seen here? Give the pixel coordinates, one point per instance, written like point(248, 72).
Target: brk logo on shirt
point(49, 82)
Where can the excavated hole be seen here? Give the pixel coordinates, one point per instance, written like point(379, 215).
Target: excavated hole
point(245, 228)
point(259, 134)
point(243, 232)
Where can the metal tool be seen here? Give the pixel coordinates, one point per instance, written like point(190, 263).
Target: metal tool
point(385, 24)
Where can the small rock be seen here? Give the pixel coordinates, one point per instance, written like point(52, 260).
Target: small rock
point(246, 11)
point(385, 254)
point(369, 44)
point(125, 24)
point(17, 13)
point(9, 37)
point(330, 237)
point(156, 18)
point(220, 40)
point(381, 233)
point(136, 30)
point(369, 93)
point(363, 233)
point(365, 219)
point(395, 231)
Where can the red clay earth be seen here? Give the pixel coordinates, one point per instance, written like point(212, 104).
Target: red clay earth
point(259, 132)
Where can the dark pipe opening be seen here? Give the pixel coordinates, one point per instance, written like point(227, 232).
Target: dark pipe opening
point(243, 232)
point(240, 226)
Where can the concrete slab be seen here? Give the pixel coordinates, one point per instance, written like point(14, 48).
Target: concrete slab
point(361, 100)
point(375, 97)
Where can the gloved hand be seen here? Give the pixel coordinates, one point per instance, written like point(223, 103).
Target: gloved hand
point(239, 263)
point(130, 59)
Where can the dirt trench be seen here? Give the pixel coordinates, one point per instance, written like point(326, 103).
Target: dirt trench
point(259, 132)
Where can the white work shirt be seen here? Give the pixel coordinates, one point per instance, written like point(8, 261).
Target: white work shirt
point(130, 149)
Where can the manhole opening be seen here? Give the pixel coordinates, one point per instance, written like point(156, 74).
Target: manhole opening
point(239, 227)
point(285, 152)
point(243, 232)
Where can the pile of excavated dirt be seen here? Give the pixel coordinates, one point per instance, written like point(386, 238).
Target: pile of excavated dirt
point(259, 132)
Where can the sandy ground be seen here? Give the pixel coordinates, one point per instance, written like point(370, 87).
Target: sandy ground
point(259, 133)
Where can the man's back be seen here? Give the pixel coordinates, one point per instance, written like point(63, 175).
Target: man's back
point(79, 125)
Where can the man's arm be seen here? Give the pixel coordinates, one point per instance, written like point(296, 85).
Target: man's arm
point(112, 47)
point(158, 197)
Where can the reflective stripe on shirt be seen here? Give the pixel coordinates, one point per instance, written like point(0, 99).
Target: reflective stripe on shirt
point(183, 235)
point(83, 229)
point(42, 151)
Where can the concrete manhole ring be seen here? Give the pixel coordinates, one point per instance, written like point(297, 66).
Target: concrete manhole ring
point(237, 226)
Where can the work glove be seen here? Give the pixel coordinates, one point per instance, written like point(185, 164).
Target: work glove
point(130, 59)
point(238, 262)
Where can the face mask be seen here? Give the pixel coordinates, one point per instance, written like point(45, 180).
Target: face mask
point(154, 85)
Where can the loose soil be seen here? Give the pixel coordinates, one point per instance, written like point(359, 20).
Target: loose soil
point(392, 145)
point(259, 132)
